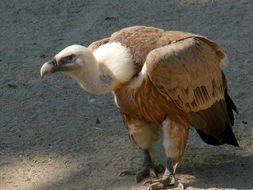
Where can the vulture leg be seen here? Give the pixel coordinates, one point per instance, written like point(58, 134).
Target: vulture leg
point(149, 168)
point(175, 139)
point(144, 134)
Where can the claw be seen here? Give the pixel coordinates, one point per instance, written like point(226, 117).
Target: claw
point(129, 172)
point(152, 173)
point(166, 180)
point(148, 181)
point(180, 185)
point(160, 185)
point(155, 186)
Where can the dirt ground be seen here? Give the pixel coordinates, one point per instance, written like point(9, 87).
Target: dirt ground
point(55, 136)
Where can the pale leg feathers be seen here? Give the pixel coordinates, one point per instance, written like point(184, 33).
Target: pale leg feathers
point(144, 135)
point(175, 139)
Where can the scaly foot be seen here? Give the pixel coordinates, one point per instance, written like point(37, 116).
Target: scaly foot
point(148, 171)
point(165, 181)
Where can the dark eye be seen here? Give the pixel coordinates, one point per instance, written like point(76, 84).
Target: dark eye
point(70, 57)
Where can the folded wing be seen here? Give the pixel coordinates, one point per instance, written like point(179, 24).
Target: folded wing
point(188, 72)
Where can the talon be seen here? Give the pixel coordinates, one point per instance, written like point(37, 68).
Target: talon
point(166, 180)
point(147, 181)
point(180, 185)
point(124, 173)
point(152, 173)
point(151, 181)
point(155, 186)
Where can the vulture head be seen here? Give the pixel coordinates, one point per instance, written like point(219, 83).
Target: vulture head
point(73, 60)
point(95, 71)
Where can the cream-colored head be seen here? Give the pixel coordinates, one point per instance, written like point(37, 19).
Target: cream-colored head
point(97, 72)
point(72, 59)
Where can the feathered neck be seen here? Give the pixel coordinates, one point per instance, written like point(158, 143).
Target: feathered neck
point(110, 66)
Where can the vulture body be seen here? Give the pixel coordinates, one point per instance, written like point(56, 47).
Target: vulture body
point(161, 81)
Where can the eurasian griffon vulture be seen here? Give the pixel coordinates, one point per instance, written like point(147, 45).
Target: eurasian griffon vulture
point(161, 81)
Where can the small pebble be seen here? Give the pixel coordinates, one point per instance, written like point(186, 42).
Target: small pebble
point(110, 18)
point(97, 121)
point(12, 86)
point(92, 100)
point(43, 56)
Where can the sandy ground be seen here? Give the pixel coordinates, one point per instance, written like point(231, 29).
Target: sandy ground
point(53, 137)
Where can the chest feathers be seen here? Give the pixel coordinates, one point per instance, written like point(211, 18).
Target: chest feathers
point(146, 103)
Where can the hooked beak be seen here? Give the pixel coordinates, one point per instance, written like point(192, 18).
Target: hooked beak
point(49, 68)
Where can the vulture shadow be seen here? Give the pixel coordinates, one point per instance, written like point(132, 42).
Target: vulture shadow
point(229, 175)
point(236, 173)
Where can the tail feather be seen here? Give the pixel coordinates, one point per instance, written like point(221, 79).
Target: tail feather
point(228, 136)
point(214, 125)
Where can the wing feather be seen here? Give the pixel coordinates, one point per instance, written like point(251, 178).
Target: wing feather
point(98, 43)
point(188, 72)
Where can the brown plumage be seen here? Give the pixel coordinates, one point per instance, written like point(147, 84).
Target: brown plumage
point(159, 79)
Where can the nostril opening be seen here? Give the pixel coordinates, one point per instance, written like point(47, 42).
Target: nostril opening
point(54, 62)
